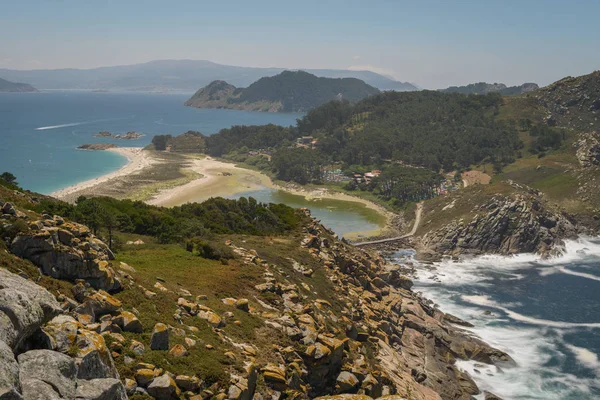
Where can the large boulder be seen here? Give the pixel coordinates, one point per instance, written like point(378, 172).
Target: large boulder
point(91, 355)
point(24, 307)
point(160, 337)
point(164, 388)
point(9, 374)
point(70, 252)
point(46, 374)
point(100, 389)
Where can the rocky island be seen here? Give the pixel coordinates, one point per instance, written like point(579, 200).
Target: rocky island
point(126, 136)
point(97, 146)
point(290, 91)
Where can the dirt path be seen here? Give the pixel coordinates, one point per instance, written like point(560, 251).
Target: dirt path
point(418, 213)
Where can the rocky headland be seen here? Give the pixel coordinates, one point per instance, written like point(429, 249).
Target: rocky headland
point(325, 319)
point(504, 225)
point(126, 136)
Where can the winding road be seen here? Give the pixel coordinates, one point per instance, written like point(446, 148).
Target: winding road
point(418, 213)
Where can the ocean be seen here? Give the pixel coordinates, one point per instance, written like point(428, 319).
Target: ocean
point(39, 132)
point(544, 313)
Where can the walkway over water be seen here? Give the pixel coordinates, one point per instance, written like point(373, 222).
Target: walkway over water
point(418, 212)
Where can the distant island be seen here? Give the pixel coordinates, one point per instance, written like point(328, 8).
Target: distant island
point(127, 136)
point(290, 91)
point(485, 88)
point(97, 146)
point(7, 86)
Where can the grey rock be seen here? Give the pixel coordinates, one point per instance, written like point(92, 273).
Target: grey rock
point(51, 250)
point(521, 223)
point(94, 359)
point(9, 374)
point(163, 388)
point(160, 337)
point(46, 367)
point(100, 389)
point(24, 307)
point(34, 389)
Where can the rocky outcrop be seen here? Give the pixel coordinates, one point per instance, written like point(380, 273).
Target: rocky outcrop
point(24, 308)
point(126, 136)
point(588, 149)
point(56, 359)
point(571, 102)
point(66, 250)
point(522, 223)
point(96, 146)
point(414, 347)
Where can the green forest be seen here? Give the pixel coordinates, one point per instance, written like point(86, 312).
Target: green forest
point(178, 224)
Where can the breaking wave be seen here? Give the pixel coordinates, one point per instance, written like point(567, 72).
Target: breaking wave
point(517, 305)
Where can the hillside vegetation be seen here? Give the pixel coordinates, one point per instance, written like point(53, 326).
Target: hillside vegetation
point(290, 91)
point(241, 299)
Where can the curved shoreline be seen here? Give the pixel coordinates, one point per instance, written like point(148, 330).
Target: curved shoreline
point(217, 178)
point(137, 160)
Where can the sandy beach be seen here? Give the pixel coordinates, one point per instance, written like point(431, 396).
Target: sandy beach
point(218, 178)
point(137, 160)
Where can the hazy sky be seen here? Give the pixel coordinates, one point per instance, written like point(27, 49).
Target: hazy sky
point(431, 43)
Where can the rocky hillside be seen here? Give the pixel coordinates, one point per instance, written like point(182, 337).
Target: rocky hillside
point(290, 91)
point(485, 88)
point(7, 86)
point(571, 102)
point(296, 316)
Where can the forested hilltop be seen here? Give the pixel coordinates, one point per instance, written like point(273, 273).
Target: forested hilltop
point(290, 91)
point(406, 147)
point(405, 138)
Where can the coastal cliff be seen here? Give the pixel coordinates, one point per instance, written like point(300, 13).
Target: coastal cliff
point(520, 220)
point(299, 315)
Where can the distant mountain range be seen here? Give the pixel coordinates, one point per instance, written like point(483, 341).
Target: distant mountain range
point(7, 86)
point(484, 88)
point(290, 91)
point(176, 75)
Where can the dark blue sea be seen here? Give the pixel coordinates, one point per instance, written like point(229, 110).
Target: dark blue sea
point(39, 132)
point(544, 313)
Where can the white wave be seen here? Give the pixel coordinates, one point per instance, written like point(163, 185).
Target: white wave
point(580, 274)
point(487, 302)
point(586, 358)
point(531, 347)
point(44, 128)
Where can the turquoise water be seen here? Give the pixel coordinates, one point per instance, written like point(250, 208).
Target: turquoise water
point(39, 132)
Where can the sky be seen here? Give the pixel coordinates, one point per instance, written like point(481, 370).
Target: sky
point(434, 44)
